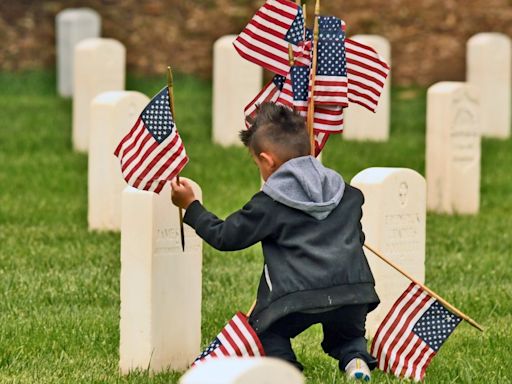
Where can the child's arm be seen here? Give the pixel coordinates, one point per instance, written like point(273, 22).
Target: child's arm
point(240, 230)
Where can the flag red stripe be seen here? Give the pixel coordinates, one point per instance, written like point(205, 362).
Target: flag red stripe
point(405, 300)
point(406, 325)
point(399, 354)
point(165, 165)
point(242, 338)
point(407, 360)
point(231, 342)
point(283, 59)
point(140, 143)
point(135, 144)
point(249, 329)
point(148, 168)
point(127, 137)
point(143, 158)
point(257, 61)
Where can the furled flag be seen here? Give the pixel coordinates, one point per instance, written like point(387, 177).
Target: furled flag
point(411, 333)
point(327, 119)
point(152, 153)
point(237, 338)
point(264, 41)
point(366, 72)
point(331, 73)
point(269, 94)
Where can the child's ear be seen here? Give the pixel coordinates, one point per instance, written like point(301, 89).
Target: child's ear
point(268, 159)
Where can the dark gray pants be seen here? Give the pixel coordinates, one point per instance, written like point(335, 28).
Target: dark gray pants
point(343, 329)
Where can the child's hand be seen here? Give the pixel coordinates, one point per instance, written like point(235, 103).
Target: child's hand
point(182, 195)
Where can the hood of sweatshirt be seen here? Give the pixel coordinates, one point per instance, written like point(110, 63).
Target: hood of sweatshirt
point(305, 184)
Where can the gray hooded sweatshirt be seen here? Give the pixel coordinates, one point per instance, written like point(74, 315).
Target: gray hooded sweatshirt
point(308, 222)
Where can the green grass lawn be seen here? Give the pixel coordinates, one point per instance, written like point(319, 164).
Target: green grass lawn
point(59, 311)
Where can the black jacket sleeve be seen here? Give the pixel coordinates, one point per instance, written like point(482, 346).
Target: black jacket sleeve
point(240, 230)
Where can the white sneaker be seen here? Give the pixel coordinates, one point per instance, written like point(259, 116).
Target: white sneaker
point(358, 370)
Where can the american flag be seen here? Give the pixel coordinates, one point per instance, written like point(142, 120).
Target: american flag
point(264, 41)
point(366, 72)
point(327, 119)
point(411, 333)
point(269, 93)
point(237, 338)
point(331, 74)
point(152, 153)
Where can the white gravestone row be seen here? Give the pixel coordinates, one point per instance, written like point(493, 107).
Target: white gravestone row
point(361, 124)
point(489, 68)
point(160, 284)
point(99, 66)
point(236, 82)
point(255, 370)
point(72, 26)
point(394, 218)
point(453, 148)
point(113, 114)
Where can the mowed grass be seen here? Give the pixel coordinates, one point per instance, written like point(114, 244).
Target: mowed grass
point(59, 311)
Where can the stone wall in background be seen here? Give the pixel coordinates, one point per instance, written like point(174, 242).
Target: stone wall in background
point(428, 37)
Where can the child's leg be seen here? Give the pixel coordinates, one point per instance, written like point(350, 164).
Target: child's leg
point(276, 339)
point(344, 331)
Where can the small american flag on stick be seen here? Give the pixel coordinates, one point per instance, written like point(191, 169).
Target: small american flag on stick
point(237, 338)
point(152, 153)
point(411, 333)
point(264, 41)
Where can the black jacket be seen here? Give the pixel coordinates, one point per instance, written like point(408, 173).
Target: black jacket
point(310, 264)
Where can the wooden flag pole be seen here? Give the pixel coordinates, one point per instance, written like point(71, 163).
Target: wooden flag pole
point(425, 288)
point(311, 102)
point(170, 85)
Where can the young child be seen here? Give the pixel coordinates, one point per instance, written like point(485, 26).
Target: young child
point(308, 222)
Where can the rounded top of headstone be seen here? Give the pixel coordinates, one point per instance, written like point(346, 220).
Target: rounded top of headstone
point(96, 42)
point(445, 87)
point(490, 37)
point(376, 175)
point(235, 370)
point(114, 97)
point(225, 40)
point(72, 14)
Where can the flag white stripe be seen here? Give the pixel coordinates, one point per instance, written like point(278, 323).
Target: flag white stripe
point(144, 159)
point(381, 335)
point(127, 143)
point(170, 169)
point(374, 86)
point(417, 375)
point(405, 334)
point(236, 339)
point(248, 51)
point(248, 336)
point(141, 150)
point(276, 16)
point(402, 321)
point(225, 342)
point(401, 361)
point(156, 167)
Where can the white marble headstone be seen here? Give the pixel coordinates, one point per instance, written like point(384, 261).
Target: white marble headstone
point(113, 114)
point(453, 148)
point(72, 26)
point(360, 123)
point(394, 217)
point(489, 69)
point(160, 284)
point(249, 370)
point(99, 67)
point(236, 82)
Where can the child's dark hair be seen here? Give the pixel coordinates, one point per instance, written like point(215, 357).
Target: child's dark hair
point(279, 129)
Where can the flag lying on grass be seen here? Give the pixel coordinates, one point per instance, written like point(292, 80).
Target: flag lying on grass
point(411, 333)
point(264, 41)
point(237, 338)
point(152, 153)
